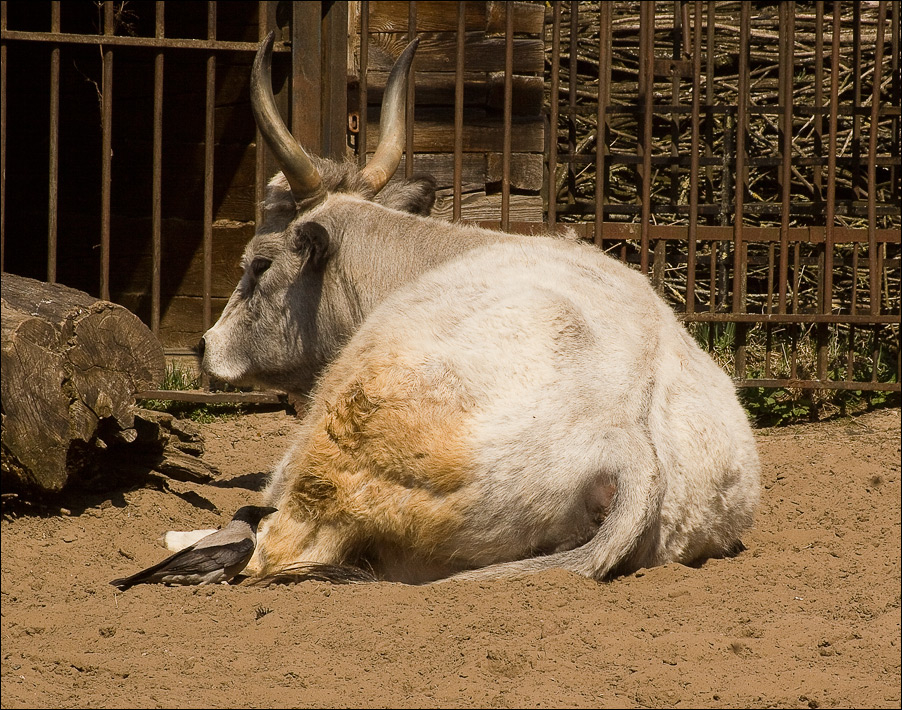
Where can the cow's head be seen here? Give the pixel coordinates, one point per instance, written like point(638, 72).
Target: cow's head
point(291, 312)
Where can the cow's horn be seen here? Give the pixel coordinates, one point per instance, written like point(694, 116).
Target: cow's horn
point(393, 122)
point(299, 171)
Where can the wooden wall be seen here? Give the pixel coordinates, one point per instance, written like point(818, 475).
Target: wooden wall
point(435, 69)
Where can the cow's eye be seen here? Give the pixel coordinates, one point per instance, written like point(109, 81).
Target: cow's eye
point(258, 266)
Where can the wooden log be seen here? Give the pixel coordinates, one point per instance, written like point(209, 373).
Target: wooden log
point(71, 365)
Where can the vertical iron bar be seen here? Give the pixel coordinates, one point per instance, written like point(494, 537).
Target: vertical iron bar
point(646, 92)
point(209, 150)
point(709, 152)
point(826, 306)
point(572, 87)
point(262, 165)
point(157, 186)
point(850, 368)
point(819, 97)
point(873, 257)
point(553, 112)
point(787, 42)
point(363, 83)
point(709, 100)
point(53, 177)
point(460, 65)
point(739, 253)
point(740, 182)
point(106, 153)
point(693, 157)
point(3, 141)
point(856, 86)
point(895, 99)
point(508, 110)
point(601, 119)
point(821, 328)
point(411, 90)
point(830, 218)
point(679, 52)
point(769, 308)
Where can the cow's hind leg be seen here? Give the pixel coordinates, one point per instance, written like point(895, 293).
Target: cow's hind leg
point(628, 537)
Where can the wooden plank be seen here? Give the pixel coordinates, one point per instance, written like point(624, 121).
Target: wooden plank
point(526, 170)
point(181, 325)
point(438, 52)
point(478, 206)
point(481, 134)
point(442, 16)
point(131, 266)
point(440, 166)
point(480, 89)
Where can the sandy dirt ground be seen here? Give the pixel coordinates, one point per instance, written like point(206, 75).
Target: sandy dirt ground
point(808, 616)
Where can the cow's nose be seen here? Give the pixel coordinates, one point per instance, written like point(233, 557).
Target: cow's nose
point(200, 347)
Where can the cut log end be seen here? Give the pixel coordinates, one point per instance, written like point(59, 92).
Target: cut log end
point(71, 366)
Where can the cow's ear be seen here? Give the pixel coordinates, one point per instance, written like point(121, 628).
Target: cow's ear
point(415, 195)
point(311, 239)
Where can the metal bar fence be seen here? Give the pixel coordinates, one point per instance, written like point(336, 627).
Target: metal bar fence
point(674, 141)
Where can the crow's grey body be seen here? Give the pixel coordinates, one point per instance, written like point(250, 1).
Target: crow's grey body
point(215, 558)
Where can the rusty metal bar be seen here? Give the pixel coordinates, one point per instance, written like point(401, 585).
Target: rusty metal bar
point(411, 90)
point(54, 140)
point(106, 153)
point(821, 384)
point(553, 113)
point(817, 177)
point(790, 318)
point(896, 97)
point(693, 149)
point(508, 110)
point(601, 118)
point(460, 65)
point(739, 247)
point(709, 101)
point(209, 155)
point(679, 53)
point(856, 89)
point(710, 23)
point(262, 166)
point(813, 234)
point(830, 216)
point(787, 42)
point(646, 96)
point(873, 257)
point(739, 200)
point(3, 137)
point(572, 88)
point(157, 177)
point(363, 83)
point(128, 41)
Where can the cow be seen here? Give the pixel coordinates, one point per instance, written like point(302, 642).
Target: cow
point(481, 404)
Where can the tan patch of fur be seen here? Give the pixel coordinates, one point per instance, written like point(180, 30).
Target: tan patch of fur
point(386, 463)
